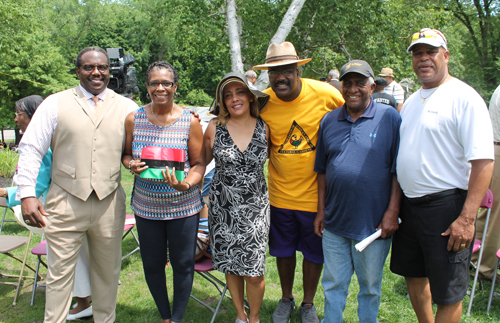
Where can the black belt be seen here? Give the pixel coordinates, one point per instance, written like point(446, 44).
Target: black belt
point(496, 143)
point(435, 196)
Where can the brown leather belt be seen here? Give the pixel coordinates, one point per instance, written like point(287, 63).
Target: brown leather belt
point(496, 143)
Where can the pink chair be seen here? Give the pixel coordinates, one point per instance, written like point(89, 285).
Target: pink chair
point(203, 267)
point(41, 250)
point(493, 284)
point(128, 228)
point(486, 203)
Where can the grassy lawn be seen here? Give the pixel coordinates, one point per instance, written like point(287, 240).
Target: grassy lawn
point(135, 303)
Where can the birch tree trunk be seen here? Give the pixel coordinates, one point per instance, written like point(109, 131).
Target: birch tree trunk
point(280, 36)
point(234, 37)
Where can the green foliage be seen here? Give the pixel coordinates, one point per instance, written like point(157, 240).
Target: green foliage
point(41, 38)
point(8, 162)
point(29, 62)
point(197, 98)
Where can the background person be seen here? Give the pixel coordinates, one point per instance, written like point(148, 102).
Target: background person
point(166, 209)
point(251, 79)
point(333, 79)
point(488, 268)
point(239, 202)
point(25, 108)
point(380, 96)
point(393, 88)
point(444, 166)
point(293, 114)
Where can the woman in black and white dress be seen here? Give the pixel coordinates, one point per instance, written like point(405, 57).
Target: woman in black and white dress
point(239, 201)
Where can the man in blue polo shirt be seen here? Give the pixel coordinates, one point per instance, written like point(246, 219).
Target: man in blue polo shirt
point(357, 192)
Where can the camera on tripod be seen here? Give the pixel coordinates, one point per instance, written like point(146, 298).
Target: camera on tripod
point(124, 79)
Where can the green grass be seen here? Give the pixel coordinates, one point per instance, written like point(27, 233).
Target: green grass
point(8, 162)
point(135, 303)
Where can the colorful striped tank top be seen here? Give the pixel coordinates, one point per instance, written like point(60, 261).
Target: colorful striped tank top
point(155, 199)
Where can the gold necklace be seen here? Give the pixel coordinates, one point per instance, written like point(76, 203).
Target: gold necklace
point(423, 99)
point(420, 92)
point(153, 111)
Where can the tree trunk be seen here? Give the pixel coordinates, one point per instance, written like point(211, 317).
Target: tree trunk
point(234, 37)
point(280, 36)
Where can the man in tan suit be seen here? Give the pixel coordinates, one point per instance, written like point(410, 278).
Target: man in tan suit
point(84, 126)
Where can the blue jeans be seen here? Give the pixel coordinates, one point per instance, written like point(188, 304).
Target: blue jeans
point(341, 260)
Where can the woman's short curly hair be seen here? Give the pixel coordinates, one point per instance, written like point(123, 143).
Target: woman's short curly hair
point(161, 65)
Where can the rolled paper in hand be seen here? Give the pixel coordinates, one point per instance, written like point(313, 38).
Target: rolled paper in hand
point(360, 246)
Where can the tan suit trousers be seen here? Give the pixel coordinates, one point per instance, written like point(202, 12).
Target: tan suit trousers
point(492, 241)
point(69, 220)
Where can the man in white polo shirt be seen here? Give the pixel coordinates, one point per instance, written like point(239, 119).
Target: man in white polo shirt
point(444, 166)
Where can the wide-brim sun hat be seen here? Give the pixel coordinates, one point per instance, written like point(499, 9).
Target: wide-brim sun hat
point(428, 36)
point(281, 54)
point(19, 218)
point(261, 97)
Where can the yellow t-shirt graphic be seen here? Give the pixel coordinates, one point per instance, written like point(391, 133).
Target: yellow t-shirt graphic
point(296, 136)
point(294, 133)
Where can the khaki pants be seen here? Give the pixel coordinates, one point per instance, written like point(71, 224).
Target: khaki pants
point(492, 242)
point(69, 220)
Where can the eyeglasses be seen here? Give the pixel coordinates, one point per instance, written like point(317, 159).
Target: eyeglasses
point(427, 33)
point(90, 68)
point(19, 113)
point(285, 73)
point(166, 84)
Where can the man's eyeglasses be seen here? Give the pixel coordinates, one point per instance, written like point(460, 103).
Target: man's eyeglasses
point(19, 113)
point(166, 84)
point(285, 73)
point(427, 33)
point(90, 68)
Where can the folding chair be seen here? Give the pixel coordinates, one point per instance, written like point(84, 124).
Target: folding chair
point(8, 244)
point(129, 228)
point(486, 203)
point(493, 285)
point(41, 250)
point(203, 267)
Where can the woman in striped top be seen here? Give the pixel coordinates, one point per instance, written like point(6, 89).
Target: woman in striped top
point(163, 137)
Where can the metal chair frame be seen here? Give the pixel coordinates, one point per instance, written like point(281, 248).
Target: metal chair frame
point(486, 203)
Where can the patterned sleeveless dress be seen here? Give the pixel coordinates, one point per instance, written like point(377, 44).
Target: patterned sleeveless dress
point(239, 204)
point(154, 199)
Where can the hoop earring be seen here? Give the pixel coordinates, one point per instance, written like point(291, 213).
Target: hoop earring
point(175, 95)
point(148, 96)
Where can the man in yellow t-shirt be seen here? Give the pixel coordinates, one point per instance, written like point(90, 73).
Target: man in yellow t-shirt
point(293, 114)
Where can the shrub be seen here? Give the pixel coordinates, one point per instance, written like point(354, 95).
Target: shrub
point(197, 98)
point(8, 162)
